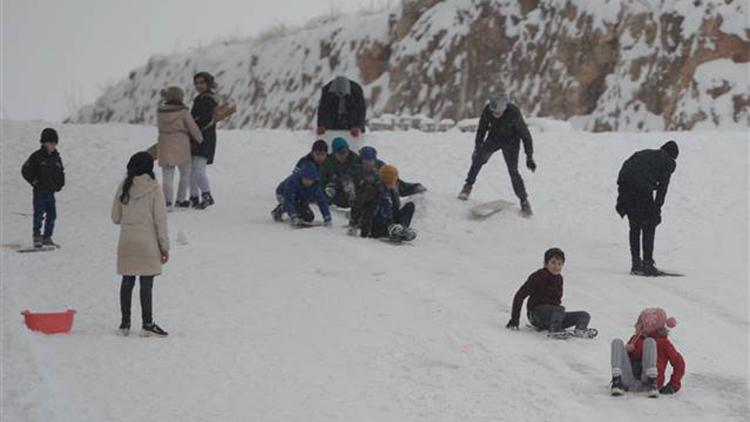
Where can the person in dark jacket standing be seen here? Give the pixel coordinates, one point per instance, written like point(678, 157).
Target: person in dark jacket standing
point(45, 173)
point(544, 288)
point(377, 211)
point(502, 127)
point(643, 173)
point(342, 107)
point(203, 109)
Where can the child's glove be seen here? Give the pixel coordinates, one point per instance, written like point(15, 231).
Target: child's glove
point(512, 324)
point(355, 131)
point(530, 163)
point(321, 130)
point(330, 190)
point(667, 389)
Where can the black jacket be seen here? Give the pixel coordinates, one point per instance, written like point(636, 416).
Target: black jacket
point(643, 173)
point(375, 208)
point(507, 131)
point(356, 109)
point(304, 160)
point(203, 113)
point(44, 171)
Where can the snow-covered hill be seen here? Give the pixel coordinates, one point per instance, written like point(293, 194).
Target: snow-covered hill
point(607, 65)
point(272, 324)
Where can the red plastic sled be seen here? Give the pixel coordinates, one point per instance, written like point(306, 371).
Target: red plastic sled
point(50, 323)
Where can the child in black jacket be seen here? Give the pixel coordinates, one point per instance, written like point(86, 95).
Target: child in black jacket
point(44, 171)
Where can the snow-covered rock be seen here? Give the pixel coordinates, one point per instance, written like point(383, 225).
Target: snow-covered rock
point(605, 65)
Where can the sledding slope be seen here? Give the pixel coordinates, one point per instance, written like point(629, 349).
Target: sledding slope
point(272, 324)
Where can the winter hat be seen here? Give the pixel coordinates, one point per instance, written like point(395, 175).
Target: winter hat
point(389, 175)
point(310, 171)
point(338, 144)
point(49, 135)
point(341, 86)
point(655, 319)
point(671, 149)
point(141, 163)
point(209, 78)
point(554, 253)
point(499, 103)
point(173, 94)
point(320, 146)
point(368, 153)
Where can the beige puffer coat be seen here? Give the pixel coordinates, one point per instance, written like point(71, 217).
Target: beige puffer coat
point(143, 228)
point(176, 129)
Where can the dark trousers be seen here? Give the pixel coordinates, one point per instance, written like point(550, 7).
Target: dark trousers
point(406, 188)
point(510, 153)
point(126, 293)
point(44, 210)
point(405, 215)
point(646, 229)
point(554, 318)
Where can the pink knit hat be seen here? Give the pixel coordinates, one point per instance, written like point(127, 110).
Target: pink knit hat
point(654, 319)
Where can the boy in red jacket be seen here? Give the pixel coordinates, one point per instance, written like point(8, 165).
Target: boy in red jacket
point(643, 361)
point(544, 288)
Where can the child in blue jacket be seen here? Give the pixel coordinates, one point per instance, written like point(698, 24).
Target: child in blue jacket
point(296, 193)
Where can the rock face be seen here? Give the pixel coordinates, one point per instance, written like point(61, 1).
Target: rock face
point(603, 65)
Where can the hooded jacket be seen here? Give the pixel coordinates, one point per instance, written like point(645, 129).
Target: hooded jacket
point(294, 191)
point(643, 173)
point(143, 228)
point(203, 109)
point(176, 130)
point(44, 171)
point(333, 114)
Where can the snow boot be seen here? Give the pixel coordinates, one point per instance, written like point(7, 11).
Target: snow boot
point(649, 269)
point(396, 233)
point(409, 234)
point(182, 204)
point(585, 333)
point(278, 213)
point(153, 330)
point(636, 268)
point(653, 392)
point(38, 241)
point(195, 202)
point(526, 208)
point(465, 192)
point(47, 241)
point(617, 388)
point(206, 201)
point(124, 328)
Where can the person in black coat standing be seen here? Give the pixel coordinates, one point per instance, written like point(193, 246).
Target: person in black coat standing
point(45, 173)
point(502, 127)
point(203, 109)
point(643, 173)
point(342, 107)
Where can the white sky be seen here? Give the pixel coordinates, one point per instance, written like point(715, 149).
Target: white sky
point(58, 54)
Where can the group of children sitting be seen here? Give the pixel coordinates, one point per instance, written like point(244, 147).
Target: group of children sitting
point(638, 365)
point(367, 187)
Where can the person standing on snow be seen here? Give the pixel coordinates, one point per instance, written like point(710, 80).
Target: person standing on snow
point(643, 173)
point(502, 127)
point(45, 173)
point(140, 210)
point(641, 364)
point(342, 107)
point(176, 131)
point(203, 153)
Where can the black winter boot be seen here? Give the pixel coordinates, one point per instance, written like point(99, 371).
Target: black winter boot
point(636, 268)
point(649, 269)
point(153, 330)
point(182, 204)
point(617, 388)
point(278, 213)
point(207, 200)
point(653, 392)
point(195, 202)
point(526, 208)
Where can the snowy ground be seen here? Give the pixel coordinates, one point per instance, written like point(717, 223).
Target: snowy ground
point(272, 324)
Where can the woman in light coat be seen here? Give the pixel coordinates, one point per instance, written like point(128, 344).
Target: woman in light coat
point(177, 130)
point(139, 209)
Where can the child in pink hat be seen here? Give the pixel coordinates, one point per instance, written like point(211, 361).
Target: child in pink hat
point(641, 363)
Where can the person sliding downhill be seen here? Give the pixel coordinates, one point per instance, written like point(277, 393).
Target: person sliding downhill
point(502, 127)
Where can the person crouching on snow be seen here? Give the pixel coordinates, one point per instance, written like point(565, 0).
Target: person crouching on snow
point(641, 363)
point(176, 130)
point(140, 210)
point(296, 193)
point(544, 288)
point(377, 210)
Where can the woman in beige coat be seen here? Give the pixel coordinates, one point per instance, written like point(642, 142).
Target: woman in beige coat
point(139, 209)
point(176, 130)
